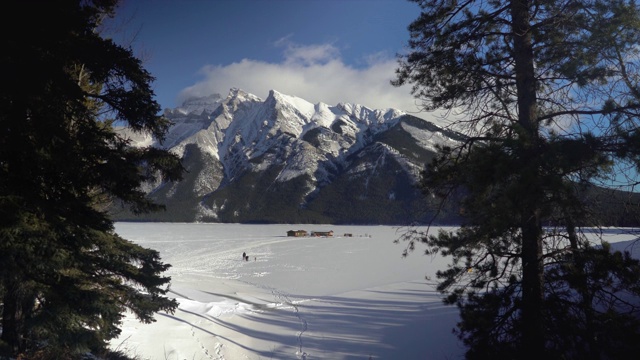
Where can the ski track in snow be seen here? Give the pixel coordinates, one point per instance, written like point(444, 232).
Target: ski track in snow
point(205, 351)
point(224, 263)
point(283, 301)
point(308, 298)
point(266, 307)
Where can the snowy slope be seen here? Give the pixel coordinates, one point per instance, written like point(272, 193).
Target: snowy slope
point(286, 149)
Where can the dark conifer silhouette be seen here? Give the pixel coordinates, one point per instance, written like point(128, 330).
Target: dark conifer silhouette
point(548, 94)
point(65, 276)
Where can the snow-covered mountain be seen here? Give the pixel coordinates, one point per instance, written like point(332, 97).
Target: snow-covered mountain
point(286, 160)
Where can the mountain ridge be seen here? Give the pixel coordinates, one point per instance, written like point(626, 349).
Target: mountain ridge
point(284, 159)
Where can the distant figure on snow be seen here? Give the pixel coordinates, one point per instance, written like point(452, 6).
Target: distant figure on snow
point(244, 256)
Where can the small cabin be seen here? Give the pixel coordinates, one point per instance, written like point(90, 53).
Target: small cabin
point(322, 233)
point(297, 233)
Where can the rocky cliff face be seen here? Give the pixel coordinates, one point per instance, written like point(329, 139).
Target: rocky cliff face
point(286, 160)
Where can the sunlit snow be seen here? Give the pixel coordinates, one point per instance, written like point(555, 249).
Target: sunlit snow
point(350, 296)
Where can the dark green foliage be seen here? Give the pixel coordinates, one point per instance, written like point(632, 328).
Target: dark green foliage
point(394, 138)
point(590, 312)
point(181, 206)
point(547, 94)
point(363, 195)
point(66, 278)
point(593, 295)
point(490, 324)
point(274, 203)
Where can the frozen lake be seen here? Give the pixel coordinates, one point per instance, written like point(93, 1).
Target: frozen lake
point(340, 297)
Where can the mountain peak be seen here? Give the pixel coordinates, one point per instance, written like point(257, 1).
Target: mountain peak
point(287, 159)
point(196, 105)
point(241, 94)
point(303, 107)
point(237, 96)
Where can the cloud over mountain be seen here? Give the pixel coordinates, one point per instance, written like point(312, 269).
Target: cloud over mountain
point(317, 73)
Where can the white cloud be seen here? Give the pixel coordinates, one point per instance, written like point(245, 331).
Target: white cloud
point(316, 73)
point(302, 55)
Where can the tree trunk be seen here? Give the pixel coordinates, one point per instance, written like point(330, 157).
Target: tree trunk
point(586, 297)
point(10, 318)
point(18, 305)
point(532, 269)
point(532, 291)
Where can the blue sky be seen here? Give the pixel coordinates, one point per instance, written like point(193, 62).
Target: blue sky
point(321, 50)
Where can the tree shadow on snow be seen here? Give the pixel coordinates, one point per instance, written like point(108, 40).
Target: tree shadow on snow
point(394, 324)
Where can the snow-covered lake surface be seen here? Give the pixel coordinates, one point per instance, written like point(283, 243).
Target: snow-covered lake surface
point(340, 297)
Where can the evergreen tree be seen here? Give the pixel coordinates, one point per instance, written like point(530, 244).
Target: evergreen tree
point(547, 92)
point(66, 277)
